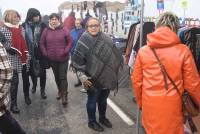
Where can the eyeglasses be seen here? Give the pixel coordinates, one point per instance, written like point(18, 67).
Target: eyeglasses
point(93, 26)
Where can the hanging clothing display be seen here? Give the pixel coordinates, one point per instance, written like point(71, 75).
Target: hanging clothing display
point(133, 45)
point(190, 36)
point(130, 40)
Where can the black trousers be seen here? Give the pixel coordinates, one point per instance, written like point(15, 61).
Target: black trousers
point(8, 125)
point(60, 74)
point(25, 77)
point(14, 88)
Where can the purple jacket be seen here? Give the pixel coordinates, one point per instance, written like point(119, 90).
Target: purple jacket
point(56, 44)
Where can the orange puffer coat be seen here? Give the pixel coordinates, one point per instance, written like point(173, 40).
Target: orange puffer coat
point(161, 108)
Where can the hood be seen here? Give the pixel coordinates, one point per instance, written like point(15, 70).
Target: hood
point(162, 37)
point(32, 12)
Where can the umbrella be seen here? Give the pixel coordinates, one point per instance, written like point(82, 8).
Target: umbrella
point(70, 5)
point(115, 6)
point(112, 5)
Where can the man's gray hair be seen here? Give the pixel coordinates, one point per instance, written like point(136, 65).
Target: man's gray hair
point(170, 20)
point(92, 18)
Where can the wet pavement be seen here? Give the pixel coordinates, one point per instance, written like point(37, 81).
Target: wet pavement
point(49, 117)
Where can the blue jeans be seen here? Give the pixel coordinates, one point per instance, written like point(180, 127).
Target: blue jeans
point(97, 95)
point(8, 125)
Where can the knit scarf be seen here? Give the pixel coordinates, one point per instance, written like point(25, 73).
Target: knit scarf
point(19, 43)
point(99, 58)
point(32, 36)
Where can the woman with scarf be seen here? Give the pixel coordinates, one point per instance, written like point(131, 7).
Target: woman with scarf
point(16, 47)
point(55, 45)
point(33, 29)
point(98, 60)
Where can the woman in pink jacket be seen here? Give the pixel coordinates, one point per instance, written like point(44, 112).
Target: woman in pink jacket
point(161, 107)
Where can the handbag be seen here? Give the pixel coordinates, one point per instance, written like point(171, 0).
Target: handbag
point(190, 108)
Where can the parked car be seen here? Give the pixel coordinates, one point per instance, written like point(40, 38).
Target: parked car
point(119, 42)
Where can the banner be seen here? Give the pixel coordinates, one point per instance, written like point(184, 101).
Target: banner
point(184, 4)
point(160, 4)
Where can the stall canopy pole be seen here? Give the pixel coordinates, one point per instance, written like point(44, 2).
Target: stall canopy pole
point(141, 22)
point(141, 41)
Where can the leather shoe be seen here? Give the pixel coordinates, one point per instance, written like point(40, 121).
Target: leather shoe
point(105, 122)
point(27, 100)
point(95, 126)
point(14, 109)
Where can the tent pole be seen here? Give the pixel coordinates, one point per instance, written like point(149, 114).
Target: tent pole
point(141, 42)
point(141, 22)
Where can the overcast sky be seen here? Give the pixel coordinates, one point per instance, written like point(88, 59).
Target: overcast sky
point(45, 6)
point(49, 6)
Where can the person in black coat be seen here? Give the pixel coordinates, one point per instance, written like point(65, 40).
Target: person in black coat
point(33, 29)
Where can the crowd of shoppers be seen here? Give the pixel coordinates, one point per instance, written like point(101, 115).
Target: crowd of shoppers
point(35, 46)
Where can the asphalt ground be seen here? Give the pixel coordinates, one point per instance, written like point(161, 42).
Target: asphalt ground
point(49, 117)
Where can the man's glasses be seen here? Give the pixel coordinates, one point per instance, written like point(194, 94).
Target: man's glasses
point(93, 26)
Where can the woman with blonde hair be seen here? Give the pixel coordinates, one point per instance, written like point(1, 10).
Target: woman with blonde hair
point(16, 48)
point(159, 101)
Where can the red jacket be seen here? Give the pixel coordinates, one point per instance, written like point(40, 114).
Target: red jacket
point(69, 22)
point(161, 108)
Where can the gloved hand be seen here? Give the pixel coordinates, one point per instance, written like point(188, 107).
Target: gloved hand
point(11, 51)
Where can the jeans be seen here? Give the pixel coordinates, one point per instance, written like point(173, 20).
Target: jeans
point(8, 125)
point(97, 96)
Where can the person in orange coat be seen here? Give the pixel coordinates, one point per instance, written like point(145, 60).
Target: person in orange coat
point(161, 108)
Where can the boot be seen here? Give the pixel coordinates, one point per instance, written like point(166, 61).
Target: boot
point(59, 95)
point(33, 89)
point(34, 81)
point(27, 100)
point(14, 109)
point(43, 83)
point(64, 98)
point(43, 94)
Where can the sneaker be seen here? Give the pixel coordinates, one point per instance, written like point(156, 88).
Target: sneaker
point(83, 90)
point(95, 126)
point(105, 122)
